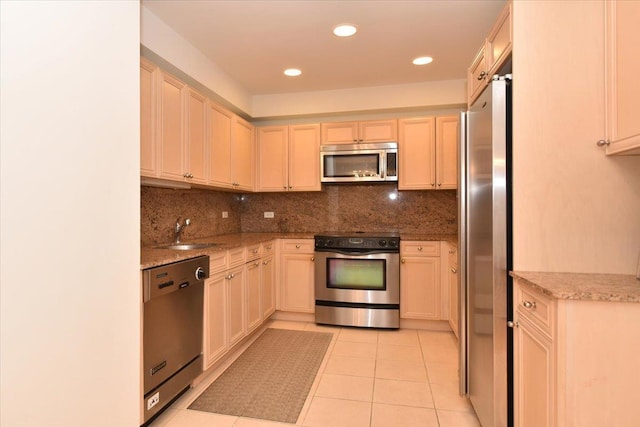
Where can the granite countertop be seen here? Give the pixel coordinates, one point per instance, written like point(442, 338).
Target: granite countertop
point(583, 286)
point(151, 256)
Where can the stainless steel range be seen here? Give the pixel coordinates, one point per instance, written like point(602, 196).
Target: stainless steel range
point(357, 279)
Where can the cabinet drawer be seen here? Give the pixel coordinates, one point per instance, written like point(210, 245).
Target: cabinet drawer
point(253, 252)
point(217, 263)
point(236, 257)
point(301, 246)
point(420, 248)
point(536, 307)
point(268, 248)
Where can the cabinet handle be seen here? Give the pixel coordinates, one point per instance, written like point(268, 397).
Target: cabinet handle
point(529, 304)
point(512, 324)
point(255, 251)
point(402, 260)
point(453, 270)
point(482, 75)
point(603, 143)
point(313, 258)
point(297, 246)
point(420, 248)
point(284, 187)
point(439, 184)
point(265, 262)
point(229, 276)
point(452, 251)
point(257, 263)
point(268, 246)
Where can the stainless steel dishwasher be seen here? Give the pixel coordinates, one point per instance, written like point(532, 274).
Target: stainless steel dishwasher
point(173, 296)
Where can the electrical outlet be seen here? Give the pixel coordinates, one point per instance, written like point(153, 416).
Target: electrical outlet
point(153, 400)
point(225, 214)
point(268, 215)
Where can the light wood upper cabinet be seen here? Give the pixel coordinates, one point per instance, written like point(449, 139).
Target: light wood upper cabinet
point(360, 132)
point(417, 150)
point(428, 150)
point(447, 152)
point(148, 111)
point(289, 158)
point(243, 155)
point(219, 138)
point(622, 71)
point(304, 157)
point(493, 53)
point(196, 144)
point(171, 129)
point(272, 150)
point(231, 150)
point(173, 124)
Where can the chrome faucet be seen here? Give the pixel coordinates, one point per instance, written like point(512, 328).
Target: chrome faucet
point(180, 228)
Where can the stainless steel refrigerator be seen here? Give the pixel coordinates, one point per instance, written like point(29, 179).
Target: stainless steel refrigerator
point(485, 253)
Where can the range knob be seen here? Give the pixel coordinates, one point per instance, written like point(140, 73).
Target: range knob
point(200, 273)
point(393, 243)
point(319, 242)
point(382, 242)
point(329, 242)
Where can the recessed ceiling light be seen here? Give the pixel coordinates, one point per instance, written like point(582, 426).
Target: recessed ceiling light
point(292, 72)
point(345, 30)
point(422, 60)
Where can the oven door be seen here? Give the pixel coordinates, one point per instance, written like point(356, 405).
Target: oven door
point(371, 278)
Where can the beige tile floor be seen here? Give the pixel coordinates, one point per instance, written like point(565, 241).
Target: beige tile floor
point(368, 378)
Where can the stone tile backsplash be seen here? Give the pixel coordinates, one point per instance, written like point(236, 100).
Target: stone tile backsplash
point(375, 207)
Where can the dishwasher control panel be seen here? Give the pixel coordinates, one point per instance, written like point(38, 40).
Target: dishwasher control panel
point(167, 278)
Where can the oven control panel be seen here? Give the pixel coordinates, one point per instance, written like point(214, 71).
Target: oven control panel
point(387, 243)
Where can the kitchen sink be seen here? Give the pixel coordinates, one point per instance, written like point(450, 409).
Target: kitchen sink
point(187, 246)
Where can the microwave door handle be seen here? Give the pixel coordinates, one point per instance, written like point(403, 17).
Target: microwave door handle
point(383, 166)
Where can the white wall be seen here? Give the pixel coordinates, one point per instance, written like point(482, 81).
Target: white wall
point(70, 214)
point(574, 209)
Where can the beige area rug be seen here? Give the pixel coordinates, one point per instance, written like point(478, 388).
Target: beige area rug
point(271, 379)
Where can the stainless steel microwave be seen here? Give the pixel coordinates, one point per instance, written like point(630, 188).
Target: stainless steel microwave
point(375, 162)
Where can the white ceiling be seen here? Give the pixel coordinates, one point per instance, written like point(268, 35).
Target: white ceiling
point(253, 41)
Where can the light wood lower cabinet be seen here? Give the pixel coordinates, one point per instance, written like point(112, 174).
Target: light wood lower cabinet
point(268, 286)
point(420, 280)
point(575, 361)
point(237, 308)
point(296, 279)
point(215, 340)
point(254, 310)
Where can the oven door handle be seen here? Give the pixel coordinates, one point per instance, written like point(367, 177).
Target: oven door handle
point(355, 252)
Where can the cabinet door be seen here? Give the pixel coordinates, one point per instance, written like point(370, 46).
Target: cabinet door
point(378, 131)
point(476, 77)
point(268, 289)
point(243, 155)
point(416, 148)
point(219, 138)
point(272, 158)
point(340, 133)
point(237, 322)
point(297, 282)
point(534, 396)
point(447, 152)
point(148, 119)
point(196, 145)
point(498, 46)
point(304, 158)
point(215, 319)
point(623, 69)
point(171, 128)
point(254, 311)
point(420, 288)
